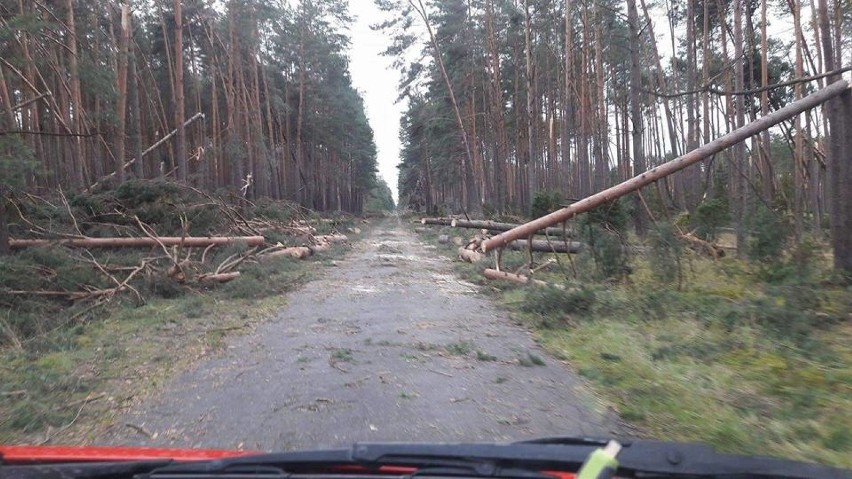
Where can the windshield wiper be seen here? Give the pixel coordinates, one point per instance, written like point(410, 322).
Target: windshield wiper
point(527, 460)
point(638, 458)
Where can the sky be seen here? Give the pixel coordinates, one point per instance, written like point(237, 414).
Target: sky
point(377, 81)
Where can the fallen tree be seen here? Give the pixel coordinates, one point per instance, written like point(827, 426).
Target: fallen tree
point(496, 227)
point(187, 241)
point(494, 274)
point(437, 221)
point(644, 179)
point(545, 246)
point(218, 278)
point(490, 226)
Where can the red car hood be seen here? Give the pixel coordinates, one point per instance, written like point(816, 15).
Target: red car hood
point(42, 454)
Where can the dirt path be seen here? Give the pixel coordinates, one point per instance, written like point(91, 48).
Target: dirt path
point(390, 345)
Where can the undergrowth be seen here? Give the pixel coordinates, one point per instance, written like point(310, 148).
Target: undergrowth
point(57, 351)
point(750, 357)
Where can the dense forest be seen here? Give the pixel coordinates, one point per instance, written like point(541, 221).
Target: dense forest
point(514, 101)
point(90, 90)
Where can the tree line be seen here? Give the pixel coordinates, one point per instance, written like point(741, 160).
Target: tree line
point(89, 89)
point(510, 100)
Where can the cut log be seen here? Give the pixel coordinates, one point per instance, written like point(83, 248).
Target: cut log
point(436, 221)
point(458, 241)
point(496, 227)
point(218, 278)
point(695, 156)
point(319, 248)
point(296, 252)
point(188, 241)
point(516, 278)
point(544, 246)
point(443, 239)
point(470, 255)
point(335, 238)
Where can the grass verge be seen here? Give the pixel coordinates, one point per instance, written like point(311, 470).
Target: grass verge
point(729, 358)
point(68, 383)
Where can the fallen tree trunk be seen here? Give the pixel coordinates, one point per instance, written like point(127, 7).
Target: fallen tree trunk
point(666, 169)
point(218, 278)
point(188, 241)
point(437, 221)
point(296, 252)
point(545, 246)
point(497, 227)
point(516, 278)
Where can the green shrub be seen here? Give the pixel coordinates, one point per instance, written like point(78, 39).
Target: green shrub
point(556, 306)
point(710, 215)
point(604, 230)
point(665, 254)
point(545, 202)
point(769, 237)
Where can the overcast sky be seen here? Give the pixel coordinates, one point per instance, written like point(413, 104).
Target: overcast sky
point(377, 81)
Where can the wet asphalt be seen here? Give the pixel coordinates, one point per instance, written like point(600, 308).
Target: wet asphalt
point(388, 345)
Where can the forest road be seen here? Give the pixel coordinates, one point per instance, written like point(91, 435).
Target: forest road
point(388, 346)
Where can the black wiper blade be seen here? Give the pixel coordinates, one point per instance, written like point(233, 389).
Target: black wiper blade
point(285, 462)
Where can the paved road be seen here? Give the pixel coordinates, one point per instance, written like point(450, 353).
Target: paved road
point(389, 345)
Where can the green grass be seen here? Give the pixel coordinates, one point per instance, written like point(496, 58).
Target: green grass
point(342, 355)
point(740, 365)
point(483, 356)
point(460, 348)
point(121, 351)
point(728, 359)
point(530, 359)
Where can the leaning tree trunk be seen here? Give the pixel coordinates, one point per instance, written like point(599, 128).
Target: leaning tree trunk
point(840, 87)
point(474, 206)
